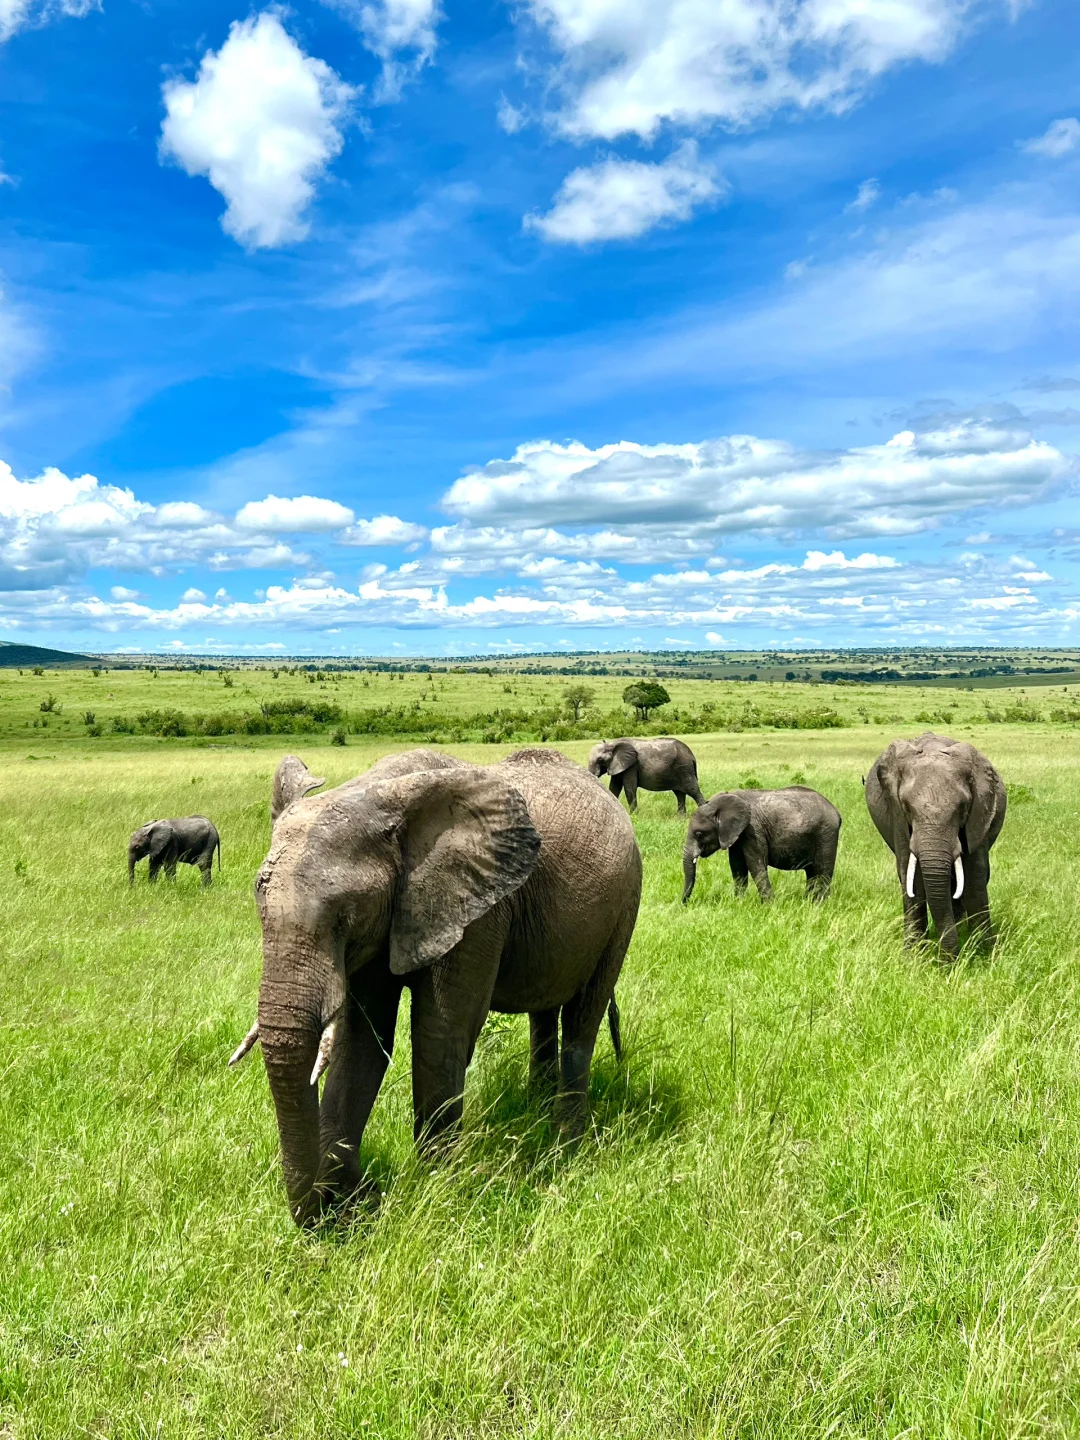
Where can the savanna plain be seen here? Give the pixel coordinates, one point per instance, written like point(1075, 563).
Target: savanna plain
point(832, 1191)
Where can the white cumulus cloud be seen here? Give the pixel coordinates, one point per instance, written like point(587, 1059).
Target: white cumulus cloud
point(620, 199)
point(261, 121)
point(1061, 138)
point(383, 530)
point(299, 514)
point(743, 483)
point(629, 66)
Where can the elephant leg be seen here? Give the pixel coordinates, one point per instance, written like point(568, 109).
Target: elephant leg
point(817, 884)
point(581, 1020)
point(170, 869)
point(740, 871)
point(758, 864)
point(976, 897)
point(680, 801)
point(630, 789)
point(450, 1001)
point(616, 786)
point(695, 794)
point(544, 1050)
point(361, 1054)
point(155, 870)
point(760, 873)
point(207, 868)
point(819, 874)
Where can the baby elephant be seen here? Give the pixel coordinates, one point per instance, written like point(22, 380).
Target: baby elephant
point(792, 829)
point(190, 841)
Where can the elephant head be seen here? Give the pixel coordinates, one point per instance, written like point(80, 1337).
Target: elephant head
point(714, 826)
point(292, 781)
point(391, 870)
point(149, 839)
point(935, 801)
point(612, 757)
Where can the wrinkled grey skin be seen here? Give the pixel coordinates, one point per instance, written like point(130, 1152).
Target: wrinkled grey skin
point(939, 800)
point(634, 765)
point(511, 887)
point(790, 829)
point(168, 843)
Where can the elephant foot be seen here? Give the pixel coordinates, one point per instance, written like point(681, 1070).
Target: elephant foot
point(571, 1117)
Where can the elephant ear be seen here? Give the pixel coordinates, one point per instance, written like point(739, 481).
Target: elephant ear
point(292, 781)
point(161, 833)
point(986, 813)
point(624, 755)
point(732, 818)
point(883, 801)
point(466, 843)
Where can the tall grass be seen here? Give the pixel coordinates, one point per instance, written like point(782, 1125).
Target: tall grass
point(832, 1192)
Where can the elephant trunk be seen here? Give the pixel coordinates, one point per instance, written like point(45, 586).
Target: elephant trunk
point(690, 857)
point(936, 854)
point(297, 1002)
point(132, 858)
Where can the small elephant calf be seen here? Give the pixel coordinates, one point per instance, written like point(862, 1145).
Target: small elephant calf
point(190, 841)
point(791, 829)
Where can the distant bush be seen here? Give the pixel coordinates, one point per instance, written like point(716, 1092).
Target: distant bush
point(1019, 794)
point(1020, 713)
point(303, 719)
point(321, 711)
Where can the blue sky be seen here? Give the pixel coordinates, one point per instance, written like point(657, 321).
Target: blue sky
point(441, 328)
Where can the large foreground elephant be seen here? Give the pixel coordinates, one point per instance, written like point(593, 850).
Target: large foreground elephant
point(939, 805)
point(790, 829)
point(510, 887)
point(189, 841)
point(634, 765)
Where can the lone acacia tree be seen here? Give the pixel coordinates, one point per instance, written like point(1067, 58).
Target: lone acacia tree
point(645, 695)
point(578, 697)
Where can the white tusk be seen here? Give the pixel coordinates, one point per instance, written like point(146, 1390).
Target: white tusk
point(326, 1044)
point(959, 867)
point(910, 886)
point(696, 859)
point(250, 1040)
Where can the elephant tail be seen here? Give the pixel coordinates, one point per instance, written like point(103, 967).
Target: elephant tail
point(218, 848)
point(615, 1027)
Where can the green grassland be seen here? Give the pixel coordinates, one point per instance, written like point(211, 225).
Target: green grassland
point(835, 1190)
point(114, 708)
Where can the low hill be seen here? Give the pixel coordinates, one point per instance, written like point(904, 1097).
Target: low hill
point(26, 656)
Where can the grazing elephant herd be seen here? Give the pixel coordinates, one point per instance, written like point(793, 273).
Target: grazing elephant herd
point(515, 887)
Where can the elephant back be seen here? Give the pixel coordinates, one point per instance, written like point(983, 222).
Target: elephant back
point(582, 827)
point(584, 890)
point(662, 762)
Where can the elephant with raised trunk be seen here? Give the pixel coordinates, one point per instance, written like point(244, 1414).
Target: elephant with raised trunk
point(168, 843)
point(634, 765)
point(512, 887)
point(939, 805)
point(790, 829)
